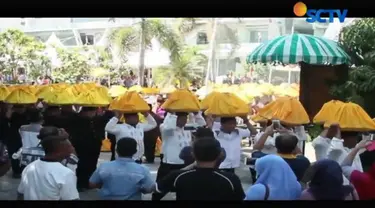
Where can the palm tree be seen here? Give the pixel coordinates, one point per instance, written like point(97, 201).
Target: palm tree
point(188, 67)
point(216, 30)
point(126, 39)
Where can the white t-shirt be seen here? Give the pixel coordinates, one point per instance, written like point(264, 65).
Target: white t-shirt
point(174, 138)
point(232, 145)
point(125, 130)
point(43, 180)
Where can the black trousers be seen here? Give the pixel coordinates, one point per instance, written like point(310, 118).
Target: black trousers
point(86, 167)
point(164, 170)
point(16, 168)
point(150, 144)
point(113, 149)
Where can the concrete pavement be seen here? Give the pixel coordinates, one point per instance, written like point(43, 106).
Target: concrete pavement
point(8, 185)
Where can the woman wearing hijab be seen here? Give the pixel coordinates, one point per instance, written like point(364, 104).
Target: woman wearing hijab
point(364, 182)
point(327, 183)
point(276, 181)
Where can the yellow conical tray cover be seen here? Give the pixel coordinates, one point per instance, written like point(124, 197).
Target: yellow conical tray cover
point(59, 86)
point(103, 91)
point(13, 87)
point(116, 90)
point(328, 111)
point(135, 88)
point(150, 91)
point(21, 96)
point(352, 117)
point(4, 92)
point(208, 100)
point(130, 102)
point(45, 92)
point(92, 98)
point(227, 105)
point(257, 118)
point(182, 100)
point(60, 97)
point(287, 110)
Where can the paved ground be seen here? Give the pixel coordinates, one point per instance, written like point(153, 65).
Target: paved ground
point(8, 185)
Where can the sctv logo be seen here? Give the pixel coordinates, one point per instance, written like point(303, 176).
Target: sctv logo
point(314, 15)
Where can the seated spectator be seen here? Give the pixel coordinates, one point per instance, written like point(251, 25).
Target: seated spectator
point(327, 183)
point(204, 182)
point(123, 178)
point(186, 153)
point(364, 182)
point(276, 181)
point(47, 178)
point(286, 147)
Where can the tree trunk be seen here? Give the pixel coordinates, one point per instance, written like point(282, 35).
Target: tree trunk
point(142, 53)
point(211, 59)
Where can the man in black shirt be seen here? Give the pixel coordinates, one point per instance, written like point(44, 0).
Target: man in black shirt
point(205, 182)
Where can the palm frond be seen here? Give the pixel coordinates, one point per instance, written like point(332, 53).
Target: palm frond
point(122, 41)
point(186, 25)
point(189, 67)
point(167, 38)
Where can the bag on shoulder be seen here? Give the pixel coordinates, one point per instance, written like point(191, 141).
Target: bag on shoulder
point(30, 154)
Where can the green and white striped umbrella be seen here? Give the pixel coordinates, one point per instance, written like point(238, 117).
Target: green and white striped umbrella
point(292, 49)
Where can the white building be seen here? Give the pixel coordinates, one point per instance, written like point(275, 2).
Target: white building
point(89, 31)
point(250, 32)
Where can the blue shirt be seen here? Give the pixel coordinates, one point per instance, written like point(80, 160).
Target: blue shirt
point(122, 179)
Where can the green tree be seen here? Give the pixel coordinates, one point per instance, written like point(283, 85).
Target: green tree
point(358, 40)
point(39, 68)
point(190, 66)
point(123, 40)
point(20, 50)
point(74, 65)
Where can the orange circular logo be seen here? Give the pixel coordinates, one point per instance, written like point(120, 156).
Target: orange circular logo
point(300, 9)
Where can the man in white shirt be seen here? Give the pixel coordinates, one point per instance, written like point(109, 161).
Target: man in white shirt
point(174, 139)
point(338, 147)
point(132, 128)
point(47, 178)
point(230, 138)
point(322, 143)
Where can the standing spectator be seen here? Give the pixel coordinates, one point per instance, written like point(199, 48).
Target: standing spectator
point(204, 182)
point(47, 178)
point(276, 181)
point(364, 182)
point(327, 183)
point(123, 178)
point(175, 138)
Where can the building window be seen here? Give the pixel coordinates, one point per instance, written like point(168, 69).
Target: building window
point(226, 65)
point(258, 36)
point(202, 38)
point(87, 39)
